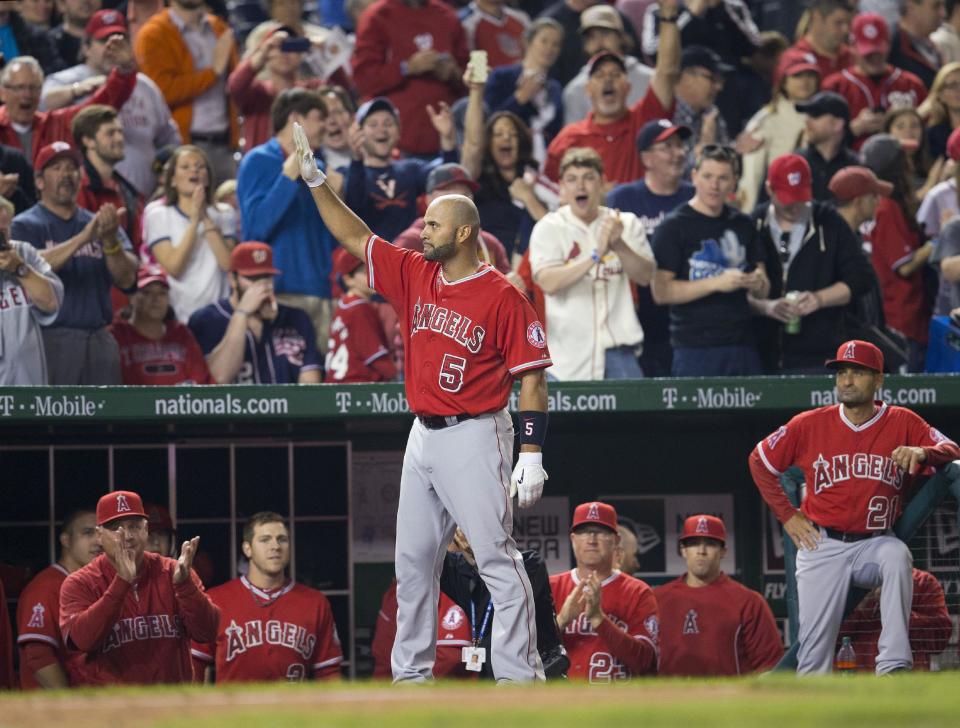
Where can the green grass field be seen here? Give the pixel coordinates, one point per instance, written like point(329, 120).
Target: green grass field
point(777, 701)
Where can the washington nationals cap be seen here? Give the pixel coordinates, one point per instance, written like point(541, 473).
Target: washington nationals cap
point(704, 526)
point(602, 514)
point(851, 182)
point(870, 34)
point(151, 273)
point(792, 65)
point(599, 58)
point(344, 262)
point(825, 102)
point(119, 504)
point(445, 175)
point(659, 130)
point(601, 16)
point(52, 152)
point(105, 23)
point(858, 352)
point(252, 259)
point(380, 103)
point(791, 179)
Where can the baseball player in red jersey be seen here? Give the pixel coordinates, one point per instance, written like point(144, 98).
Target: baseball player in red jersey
point(453, 634)
point(42, 654)
point(130, 614)
point(609, 620)
point(271, 628)
point(710, 624)
point(357, 350)
point(859, 459)
point(467, 334)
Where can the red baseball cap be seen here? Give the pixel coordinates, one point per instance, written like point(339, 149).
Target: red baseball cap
point(791, 179)
point(344, 262)
point(858, 352)
point(792, 64)
point(54, 151)
point(602, 514)
point(851, 182)
point(151, 273)
point(870, 34)
point(704, 526)
point(105, 23)
point(252, 259)
point(158, 518)
point(119, 504)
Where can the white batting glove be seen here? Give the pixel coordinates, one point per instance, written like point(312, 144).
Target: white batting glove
point(308, 165)
point(528, 478)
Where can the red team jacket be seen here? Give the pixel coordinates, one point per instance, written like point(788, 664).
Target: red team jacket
point(626, 643)
point(282, 634)
point(133, 633)
point(719, 629)
point(357, 350)
point(852, 484)
point(465, 341)
point(175, 359)
point(453, 634)
point(38, 624)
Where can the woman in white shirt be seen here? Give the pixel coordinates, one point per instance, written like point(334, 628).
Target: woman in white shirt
point(189, 234)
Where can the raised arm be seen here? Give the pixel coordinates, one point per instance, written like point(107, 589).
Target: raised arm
point(667, 69)
point(349, 230)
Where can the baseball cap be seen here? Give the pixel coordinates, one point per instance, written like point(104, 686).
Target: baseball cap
point(158, 518)
point(448, 174)
point(859, 352)
point(252, 259)
point(601, 16)
point(380, 103)
point(791, 179)
point(881, 151)
point(953, 145)
point(704, 57)
point(659, 130)
point(851, 182)
point(54, 151)
point(870, 34)
point(344, 262)
point(602, 514)
point(151, 273)
point(104, 23)
point(825, 102)
point(704, 526)
point(594, 63)
point(791, 65)
point(119, 504)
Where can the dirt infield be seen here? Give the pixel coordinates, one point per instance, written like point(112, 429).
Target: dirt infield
point(927, 700)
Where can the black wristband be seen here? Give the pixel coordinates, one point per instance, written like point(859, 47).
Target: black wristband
point(672, 19)
point(533, 427)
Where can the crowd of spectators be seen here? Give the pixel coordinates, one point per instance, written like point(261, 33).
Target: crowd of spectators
point(659, 176)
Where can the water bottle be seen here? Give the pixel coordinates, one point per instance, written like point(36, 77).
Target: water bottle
point(846, 657)
point(793, 325)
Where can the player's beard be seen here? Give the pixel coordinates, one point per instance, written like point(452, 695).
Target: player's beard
point(442, 252)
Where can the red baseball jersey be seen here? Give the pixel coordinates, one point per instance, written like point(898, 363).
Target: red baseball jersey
point(38, 618)
point(852, 484)
point(719, 629)
point(357, 340)
point(175, 359)
point(501, 38)
point(282, 634)
point(453, 634)
point(464, 341)
point(929, 628)
point(136, 632)
point(625, 644)
point(895, 88)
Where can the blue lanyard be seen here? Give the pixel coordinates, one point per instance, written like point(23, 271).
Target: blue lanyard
point(478, 638)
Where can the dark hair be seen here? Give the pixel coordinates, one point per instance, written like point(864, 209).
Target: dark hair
point(71, 519)
point(897, 173)
point(341, 93)
point(540, 24)
point(826, 7)
point(950, 6)
point(259, 519)
point(87, 123)
point(920, 159)
point(719, 153)
point(294, 101)
point(490, 177)
point(166, 182)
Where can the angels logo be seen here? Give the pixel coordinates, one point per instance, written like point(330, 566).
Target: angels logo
point(453, 618)
point(702, 525)
point(536, 335)
point(850, 352)
point(36, 619)
point(593, 513)
point(259, 256)
point(423, 41)
point(652, 625)
point(793, 179)
point(122, 505)
point(690, 623)
point(776, 437)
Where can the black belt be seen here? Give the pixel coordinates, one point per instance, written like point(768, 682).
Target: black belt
point(222, 137)
point(438, 422)
point(847, 537)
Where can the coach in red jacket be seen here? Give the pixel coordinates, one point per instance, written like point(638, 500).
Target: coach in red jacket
point(130, 613)
point(25, 128)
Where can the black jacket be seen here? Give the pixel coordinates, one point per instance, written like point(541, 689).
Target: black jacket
point(830, 252)
point(34, 41)
point(12, 160)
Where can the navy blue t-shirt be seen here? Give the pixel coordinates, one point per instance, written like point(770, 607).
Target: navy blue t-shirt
point(287, 345)
point(86, 278)
point(650, 207)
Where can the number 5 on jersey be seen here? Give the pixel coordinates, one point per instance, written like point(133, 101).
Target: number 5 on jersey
point(451, 373)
